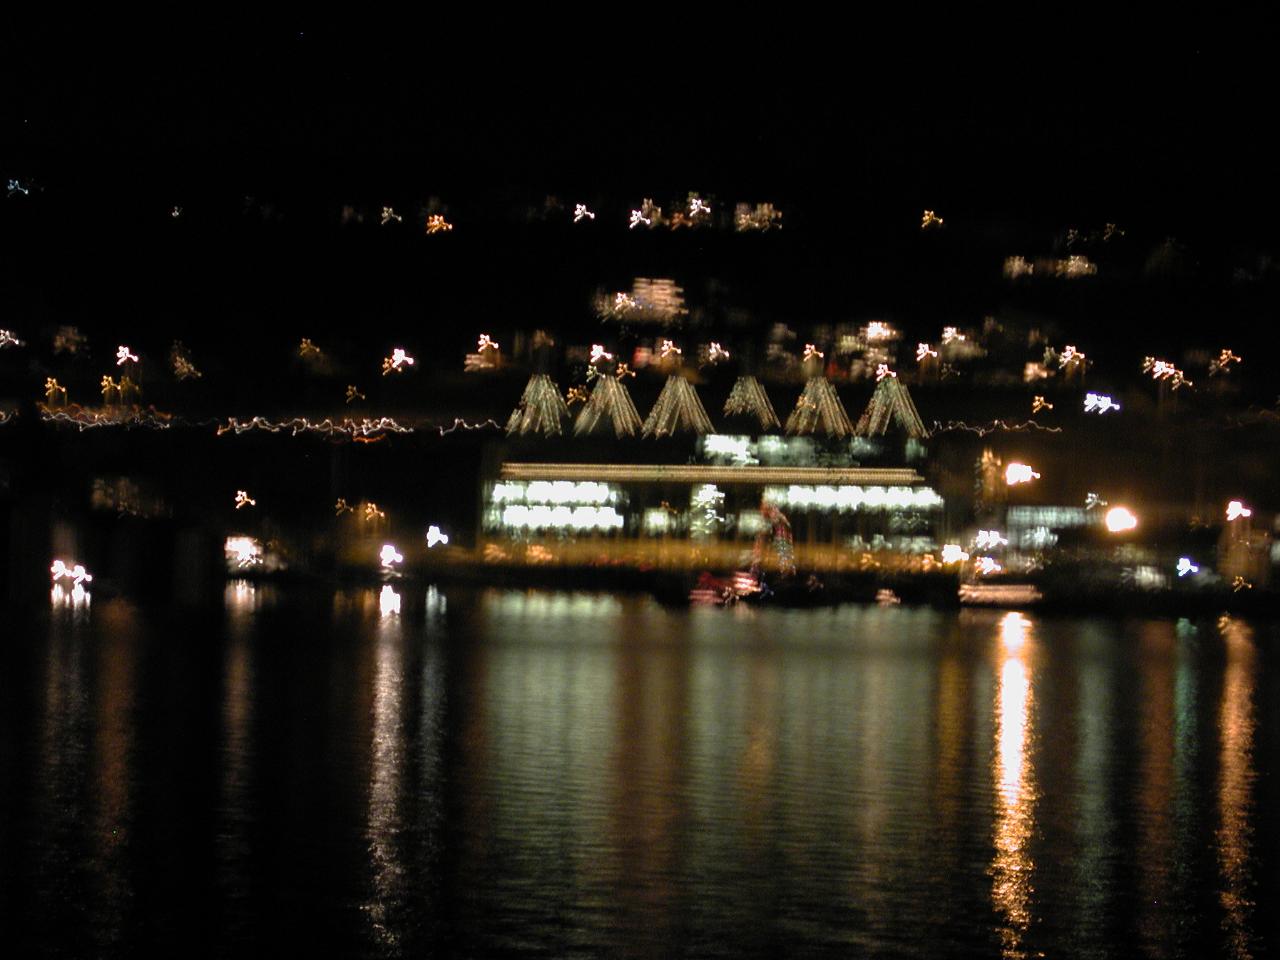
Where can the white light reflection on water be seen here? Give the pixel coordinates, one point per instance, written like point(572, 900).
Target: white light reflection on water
point(388, 602)
point(386, 768)
point(1236, 723)
point(1012, 869)
point(77, 600)
point(553, 604)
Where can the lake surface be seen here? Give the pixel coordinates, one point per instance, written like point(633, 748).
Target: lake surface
point(419, 771)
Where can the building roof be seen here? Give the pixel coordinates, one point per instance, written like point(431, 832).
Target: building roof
point(711, 473)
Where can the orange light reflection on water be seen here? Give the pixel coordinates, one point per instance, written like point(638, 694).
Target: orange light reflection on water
point(1235, 786)
point(1012, 869)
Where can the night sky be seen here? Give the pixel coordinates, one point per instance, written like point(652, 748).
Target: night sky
point(261, 138)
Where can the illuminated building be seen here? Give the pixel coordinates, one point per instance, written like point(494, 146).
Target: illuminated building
point(707, 498)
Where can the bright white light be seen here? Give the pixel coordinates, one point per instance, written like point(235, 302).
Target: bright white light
point(1070, 356)
point(598, 353)
point(638, 217)
point(1185, 566)
point(950, 334)
point(1092, 500)
point(1013, 630)
point(245, 550)
point(244, 500)
point(1119, 519)
point(951, 553)
point(542, 516)
point(434, 536)
point(388, 602)
point(1099, 402)
point(123, 356)
point(1017, 473)
point(580, 212)
point(698, 206)
point(924, 351)
point(882, 371)
point(76, 573)
point(668, 348)
point(390, 556)
point(1236, 509)
point(398, 360)
point(9, 339)
point(486, 343)
point(879, 330)
point(986, 539)
point(987, 565)
point(852, 497)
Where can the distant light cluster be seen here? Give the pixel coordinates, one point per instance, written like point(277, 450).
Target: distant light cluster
point(1015, 267)
point(397, 362)
point(1165, 371)
point(1099, 403)
point(1222, 364)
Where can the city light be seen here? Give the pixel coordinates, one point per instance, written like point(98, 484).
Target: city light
point(1185, 566)
point(124, 355)
point(1120, 519)
point(954, 553)
point(986, 539)
point(242, 551)
point(1099, 403)
point(388, 602)
point(434, 536)
point(1016, 473)
point(244, 500)
point(76, 573)
point(580, 212)
point(390, 556)
point(396, 363)
point(1236, 510)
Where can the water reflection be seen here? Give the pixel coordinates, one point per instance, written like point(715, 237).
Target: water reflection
point(241, 598)
point(386, 768)
point(600, 775)
point(1012, 868)
point(1235, 785)
point(1155, 782)
point(77, 600)
point(388, 602)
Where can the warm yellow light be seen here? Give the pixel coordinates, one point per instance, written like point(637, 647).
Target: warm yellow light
point(1119, 519)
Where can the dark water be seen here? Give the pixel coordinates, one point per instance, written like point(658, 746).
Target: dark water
point(595, 775)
